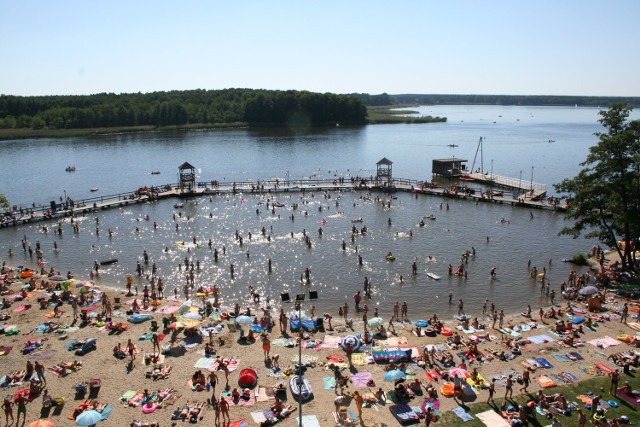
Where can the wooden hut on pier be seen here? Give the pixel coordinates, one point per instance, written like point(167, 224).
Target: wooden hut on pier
point(449, 168)
point(186, 177)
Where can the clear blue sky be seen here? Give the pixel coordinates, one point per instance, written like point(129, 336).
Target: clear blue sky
point(547, 47)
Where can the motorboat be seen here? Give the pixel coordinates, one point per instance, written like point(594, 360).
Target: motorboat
point(94, 189)
point(178, 205)
point(155, 172)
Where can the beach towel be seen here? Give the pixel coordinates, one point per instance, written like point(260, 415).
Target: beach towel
point(633, 399)
point(491, 418)
point(331, 342)
point(306, 359)
point(361, 379)
point(358, 359)
point(561, 357)
point(415, 352)
point(634, 325)
point(560, 378)
point(462, 414)
point(546, 382)
point(203, 363)
point(262, 396)
point(604, 368)
point(168, 309)
point(239, 423)
point(540, 339)
point(569, 376)
point(575, 355)
point(604, 342)
point(127, 395)
point(543, 362)
point(308, 421)
point(259, 416)
point(403, 414)
point(232, 365)
point(241, 402)
point(106, 412)
point(329, 383)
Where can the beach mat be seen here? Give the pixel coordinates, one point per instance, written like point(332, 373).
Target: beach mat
point(331, 342)
point(329, 383)
point(604, 342)
point(308, 421)
point(543, 362)
point(238, 423)
point(491, 418)
point(462, 414)
point(540, 339)
point(361, 379)
point(634, 400)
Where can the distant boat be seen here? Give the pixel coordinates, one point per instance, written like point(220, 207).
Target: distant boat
point(155, 173)
point(70, 169)
point(178, 205)
point(452, 145)
point(94, 189)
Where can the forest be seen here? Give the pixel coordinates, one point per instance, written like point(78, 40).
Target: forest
point(176, 108)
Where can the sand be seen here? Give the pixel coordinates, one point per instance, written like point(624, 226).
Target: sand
point(119, 376)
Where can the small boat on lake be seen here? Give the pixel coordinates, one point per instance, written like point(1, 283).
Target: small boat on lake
point(434, 276)
point(178, 205)
point(155, 172)
point(109, 261)
point(94, 189)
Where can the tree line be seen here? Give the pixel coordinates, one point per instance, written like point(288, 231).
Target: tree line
point(175, 108)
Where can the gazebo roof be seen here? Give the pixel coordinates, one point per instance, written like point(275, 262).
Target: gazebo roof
point(384, 161)
point(186, 165)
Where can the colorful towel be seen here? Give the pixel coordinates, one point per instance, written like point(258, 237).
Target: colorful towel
point(239, 423)
point(331, 342)
point(633, 399)
point(561, 358)
point(168, 309)
point(543, 362)
point(361, 379)
point(546, 382)
point(462, 414)
point(604, 368)
point(577, 356)
point(232, 365)
point(241, 402)
point(329, 383)
point(358, 359)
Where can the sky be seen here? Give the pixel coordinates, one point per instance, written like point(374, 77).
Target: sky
point(512, 47)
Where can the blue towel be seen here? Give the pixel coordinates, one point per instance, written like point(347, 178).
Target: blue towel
point(462, 414)
point(544, 363)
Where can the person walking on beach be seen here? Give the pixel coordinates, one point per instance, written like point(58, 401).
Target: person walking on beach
point(404, 311)
point(224, 409)
point(460, 307)
point(213, 380)
point(266, 346)
point(525, 380)
point(625, 313)
point(492, 391)
point(396, 311)
point(357, 397)
point(615, 379)
point(155, 340)
point(594, 404)
point(509, 387)
point(131, 349)
point(21, 404)
point(39, 368)
point(7, 405)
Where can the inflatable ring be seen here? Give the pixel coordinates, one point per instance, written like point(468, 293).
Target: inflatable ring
point(612, 403)
point(446, 332)
point(224, 315)
point(149, 409)
point(447, 390)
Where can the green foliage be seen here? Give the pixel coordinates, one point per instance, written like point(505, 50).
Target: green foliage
point(580, 259)
point(178, 108)
point(605, 195)
point(4, 202)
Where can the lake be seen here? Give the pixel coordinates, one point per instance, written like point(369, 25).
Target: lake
point(516, 142)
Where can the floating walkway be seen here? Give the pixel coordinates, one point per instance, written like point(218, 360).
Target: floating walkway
point(151, 194)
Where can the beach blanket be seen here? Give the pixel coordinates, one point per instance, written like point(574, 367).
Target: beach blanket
point(393, 341)
point(604, 368)
point(562, 358)
point(203, 363)
point(260, 416)
point(168, 309)
point(232, 365)
point(415, 352)
point(306, 359)
point(541, 361)
point(403, 414)
point(575, 355)
point(238, 423)
point(569, 376)
point(265, 394)
point(329, 383)
point(331, 342)
point(604, 342)
point(462, 414)
point(359, 359)
point(546, 382)
point(361, 379)
point(308, 421)
point(633, 399)
point(540, 339)
point(491, 418)
point(241, 402)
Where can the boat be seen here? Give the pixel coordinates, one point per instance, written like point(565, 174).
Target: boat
point(431, 217)
point(155, 172)
point(391, 258)
point(94, 189)
point(178, 205)
point(452, 145)
point(357, 220)
point(434, 276)
point(70, 169)
point(300, 388)
point(467, 178)
point(109, 261)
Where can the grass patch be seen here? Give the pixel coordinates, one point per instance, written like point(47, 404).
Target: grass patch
point(390, 114)
point(570, 391)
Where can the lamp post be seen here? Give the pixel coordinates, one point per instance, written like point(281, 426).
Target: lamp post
point(65, 199)
point(313, 295)
point(531, 178)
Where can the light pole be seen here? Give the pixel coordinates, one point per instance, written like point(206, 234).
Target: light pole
point(531, 178)
point(313, 295)
point(65, 199)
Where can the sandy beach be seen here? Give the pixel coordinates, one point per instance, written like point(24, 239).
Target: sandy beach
point(117, 377)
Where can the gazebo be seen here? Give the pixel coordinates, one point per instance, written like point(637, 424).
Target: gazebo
point(384, 176)
point(186, 177)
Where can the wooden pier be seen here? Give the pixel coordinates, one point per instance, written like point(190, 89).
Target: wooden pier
point(535, 199)
point(532, 190)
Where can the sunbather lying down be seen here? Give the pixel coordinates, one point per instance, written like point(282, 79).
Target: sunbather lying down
point(160, 372)
point(191, 411)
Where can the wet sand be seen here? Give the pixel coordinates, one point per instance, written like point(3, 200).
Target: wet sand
point(119, 376)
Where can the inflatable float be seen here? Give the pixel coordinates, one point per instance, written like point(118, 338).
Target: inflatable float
point(300, 388)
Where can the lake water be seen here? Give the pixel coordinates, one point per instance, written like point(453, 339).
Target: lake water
point(515, 139)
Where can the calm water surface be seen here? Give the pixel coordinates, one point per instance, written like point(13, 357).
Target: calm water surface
point(516, 139)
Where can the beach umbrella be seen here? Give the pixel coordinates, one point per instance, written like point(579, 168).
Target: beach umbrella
point(88, 418)
point(588, 290)
point(244, 320)
point(68, 282)
point(192, 316)
point(394, 375)
point(375, 322)
point(421, 323)
point(177, 325)
point(41, 423)
point(57, 278)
